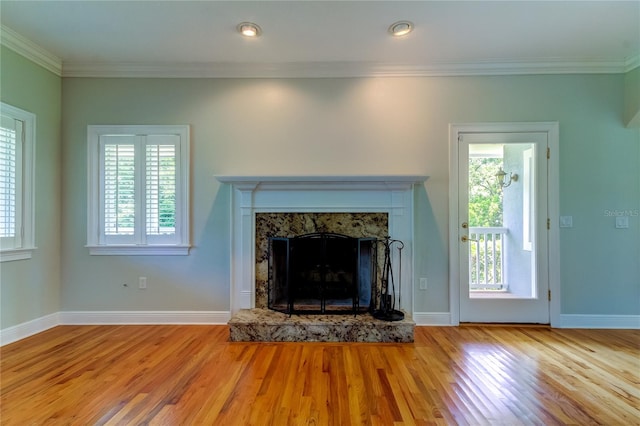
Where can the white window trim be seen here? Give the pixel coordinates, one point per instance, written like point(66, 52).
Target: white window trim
point(93, 197)
point(27, 246)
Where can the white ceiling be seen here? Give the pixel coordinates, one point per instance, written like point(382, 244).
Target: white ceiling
point(327, 38)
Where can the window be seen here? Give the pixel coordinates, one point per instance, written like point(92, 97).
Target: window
point(528, 198)
point(17, 139)
point(138, 190)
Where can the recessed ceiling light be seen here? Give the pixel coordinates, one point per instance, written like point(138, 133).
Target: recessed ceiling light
point(401, 28)
point(249, 29)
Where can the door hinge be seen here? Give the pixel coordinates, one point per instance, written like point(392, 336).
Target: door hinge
point(548, 223)
point(549, 295)
point(548, 153)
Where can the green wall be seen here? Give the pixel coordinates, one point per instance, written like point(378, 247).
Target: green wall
point(316, 126)
point(30, 289)
point(356, 126)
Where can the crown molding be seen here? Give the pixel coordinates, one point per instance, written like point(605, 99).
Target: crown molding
point(51, 62)
point(341, 69)
point(30, 50)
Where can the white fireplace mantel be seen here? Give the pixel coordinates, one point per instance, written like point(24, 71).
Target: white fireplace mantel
point(345, 182)
point(392, 194)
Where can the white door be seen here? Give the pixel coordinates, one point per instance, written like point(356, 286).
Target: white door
point(502, 227)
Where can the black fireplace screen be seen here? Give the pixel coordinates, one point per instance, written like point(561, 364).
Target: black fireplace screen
point(322, 273)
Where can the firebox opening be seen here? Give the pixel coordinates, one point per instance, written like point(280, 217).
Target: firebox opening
point(321, 273)
point(294, 224)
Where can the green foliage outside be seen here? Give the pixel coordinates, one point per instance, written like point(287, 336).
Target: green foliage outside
point(485, 197)
point(485, 210)
point(167, 194)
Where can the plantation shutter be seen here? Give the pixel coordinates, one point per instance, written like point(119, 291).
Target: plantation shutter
point(161, 196)
point(118, 211)
point(11, 143)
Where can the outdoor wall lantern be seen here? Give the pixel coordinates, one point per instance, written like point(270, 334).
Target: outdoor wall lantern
point(503, 180)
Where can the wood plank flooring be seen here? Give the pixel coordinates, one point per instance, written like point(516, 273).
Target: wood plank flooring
point(192, 375)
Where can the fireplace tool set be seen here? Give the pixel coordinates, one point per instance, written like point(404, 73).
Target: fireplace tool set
point(385, 305)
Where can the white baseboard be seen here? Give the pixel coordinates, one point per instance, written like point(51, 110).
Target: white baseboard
point(38, 325)
point(599, 321)
point(432, 318)
point(144, 317)
point(29, 328)
point(566, 320)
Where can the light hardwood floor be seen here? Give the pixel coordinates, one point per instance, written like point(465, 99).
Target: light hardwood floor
point(191, 375)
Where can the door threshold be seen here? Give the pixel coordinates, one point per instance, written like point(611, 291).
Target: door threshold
point(505, 324)
point(494, 295)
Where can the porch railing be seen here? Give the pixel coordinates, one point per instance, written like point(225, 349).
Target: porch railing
point(486, 258)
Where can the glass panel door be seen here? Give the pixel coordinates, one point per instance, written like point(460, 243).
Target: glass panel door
point(502, 235)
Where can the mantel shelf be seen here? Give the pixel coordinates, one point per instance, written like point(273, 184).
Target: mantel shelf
point(310, 182)
point(323, 179)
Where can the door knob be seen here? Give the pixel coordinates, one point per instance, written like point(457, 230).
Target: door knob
point(465, 239)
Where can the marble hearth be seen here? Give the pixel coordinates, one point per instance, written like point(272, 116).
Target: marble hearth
point(264, 325)
point(257, 201)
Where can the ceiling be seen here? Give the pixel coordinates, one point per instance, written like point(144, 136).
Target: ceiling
point(325, 38)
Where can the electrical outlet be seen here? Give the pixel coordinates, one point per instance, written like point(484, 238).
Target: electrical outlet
point(142, 283)
point(423, 283)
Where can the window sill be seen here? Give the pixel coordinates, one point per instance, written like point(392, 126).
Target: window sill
point(131, 250)
point(10, 255)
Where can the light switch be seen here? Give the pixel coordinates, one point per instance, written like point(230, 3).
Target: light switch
point(423, 284)
point(622, 222)
point(566, 221)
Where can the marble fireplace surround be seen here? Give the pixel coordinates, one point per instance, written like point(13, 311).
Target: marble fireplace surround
point(355, 225)
point(391, 194)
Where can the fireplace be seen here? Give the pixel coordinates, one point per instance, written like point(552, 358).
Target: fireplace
point(322, 273)
point(252, 196)
point(292, 226)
